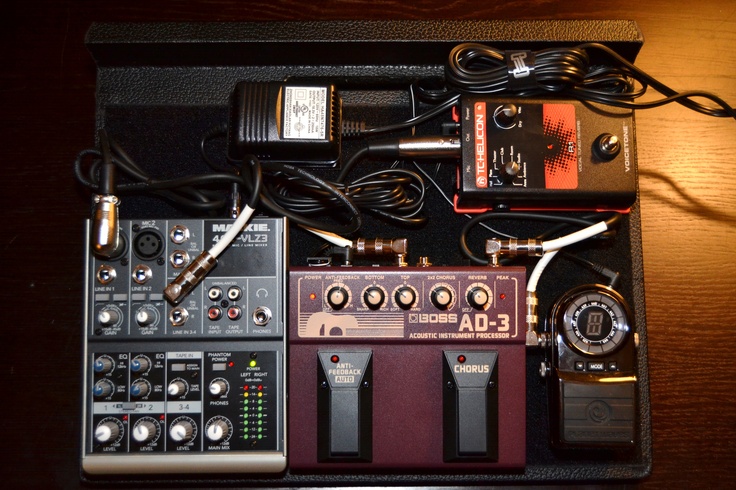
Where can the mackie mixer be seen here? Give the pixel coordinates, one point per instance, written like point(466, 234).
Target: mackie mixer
point(193, 388)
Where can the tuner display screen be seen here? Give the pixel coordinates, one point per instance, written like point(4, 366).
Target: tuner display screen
point(595, 323)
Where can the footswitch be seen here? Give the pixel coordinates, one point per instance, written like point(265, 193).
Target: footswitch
point(407, 368)
point(196, 388)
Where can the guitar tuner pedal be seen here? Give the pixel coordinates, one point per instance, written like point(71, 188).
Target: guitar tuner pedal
point(591, 369)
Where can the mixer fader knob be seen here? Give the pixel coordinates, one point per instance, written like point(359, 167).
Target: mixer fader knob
point(107, 432)
point(177, 388)
point(182, 430)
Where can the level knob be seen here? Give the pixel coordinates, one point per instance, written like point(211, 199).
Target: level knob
point(177, 388)
point(478, 297)
point(441, 297)
point(107, 432)
point(217, 430)
point(337, 297)
point(218, 387)
point(374, 297)
point(144, 431)
point(182, 431)
point(405, 297)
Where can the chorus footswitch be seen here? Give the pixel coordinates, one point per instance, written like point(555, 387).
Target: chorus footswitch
point(407, 367)
point(195, 388)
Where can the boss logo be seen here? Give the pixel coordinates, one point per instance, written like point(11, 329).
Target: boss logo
point(433, 318)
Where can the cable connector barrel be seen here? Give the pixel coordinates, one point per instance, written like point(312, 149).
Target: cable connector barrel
point(397, 247)
point(533, 337)
point(190, 277)
point(496, 248)
point(105, 233)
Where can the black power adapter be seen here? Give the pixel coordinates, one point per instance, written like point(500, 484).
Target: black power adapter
point(289, 122)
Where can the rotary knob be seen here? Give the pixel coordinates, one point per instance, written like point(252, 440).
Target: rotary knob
point(509, 171)
point(144, 431)
point(218, 388)
point(182, 431)
point(103, 365)
point(441, 297)
point(146, 317)
point(338, 297)
point(218, 430)
point(103, 388)
point(107, 432)
point(478, 297)
point(140, 364)
point(140, 388)
point(177, 388)
point(374, 297)
point(505, 116)
point(108, 317)
point(405, 297)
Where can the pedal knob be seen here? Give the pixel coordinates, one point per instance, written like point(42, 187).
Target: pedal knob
point(374, 297)
point(505, 116)
point(337, 297)
point(405, 297)
point(478, 298)
point(509, 171)
point(441, 297)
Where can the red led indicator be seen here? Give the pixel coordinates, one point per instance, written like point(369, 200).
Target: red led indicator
point(461, 359)
point(550, 147)
point(502, 296)
point(246, 388)
point(231, 363)
point(312, 296)
point(335, 359)
point(125, 418)
point(162, 417)
point(260, 387)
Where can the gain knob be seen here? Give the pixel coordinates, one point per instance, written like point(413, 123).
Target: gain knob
point(338, 297)
point(182, 431)
point(373, 297)
point(405, 297)
point(441, 297)
point(108, 317)
point(146, 317)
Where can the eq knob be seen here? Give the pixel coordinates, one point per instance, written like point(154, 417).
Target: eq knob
point(374, 297)
point(441, 297)
point(107, 432)
point(103, 388)
point(182, 431)
point(144, 431)
point(140, 364)
point(103, 365)
point(177, 388)
point(217, 430)
point(337, 297)
point(405, 297)
point(140, 388)
point(478, 297)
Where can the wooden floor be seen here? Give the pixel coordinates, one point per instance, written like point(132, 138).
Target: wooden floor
point(687, 164)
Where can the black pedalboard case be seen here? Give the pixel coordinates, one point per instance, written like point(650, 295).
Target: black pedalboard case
point(160, 87)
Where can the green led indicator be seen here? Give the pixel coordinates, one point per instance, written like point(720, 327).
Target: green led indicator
point(260, 436)
point(252, 363)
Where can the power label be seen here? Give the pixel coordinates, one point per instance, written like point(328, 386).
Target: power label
point(305, 113)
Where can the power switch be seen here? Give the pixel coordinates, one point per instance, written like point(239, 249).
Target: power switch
point(345, 404)
point(470, 406)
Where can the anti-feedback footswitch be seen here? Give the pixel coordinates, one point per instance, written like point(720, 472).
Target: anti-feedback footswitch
point(549, 154)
